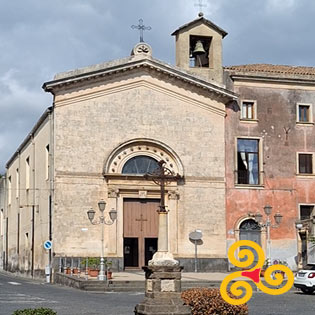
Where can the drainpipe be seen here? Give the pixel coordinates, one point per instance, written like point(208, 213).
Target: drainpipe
point(51, 187)
point(33, 240)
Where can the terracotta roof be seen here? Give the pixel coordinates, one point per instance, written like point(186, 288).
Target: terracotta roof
point(205, 21)
point(276, 69)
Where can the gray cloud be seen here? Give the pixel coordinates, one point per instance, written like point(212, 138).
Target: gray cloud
point(40, 38)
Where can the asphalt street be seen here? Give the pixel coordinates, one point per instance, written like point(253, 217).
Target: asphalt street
point(17, 293)
point(291, 303)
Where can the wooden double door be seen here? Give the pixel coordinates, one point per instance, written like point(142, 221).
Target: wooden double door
point(140, 231)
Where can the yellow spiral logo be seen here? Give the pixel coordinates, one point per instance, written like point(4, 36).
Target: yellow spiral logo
point(244, 258)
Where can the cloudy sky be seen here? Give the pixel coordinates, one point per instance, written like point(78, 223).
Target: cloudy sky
point(40, 38)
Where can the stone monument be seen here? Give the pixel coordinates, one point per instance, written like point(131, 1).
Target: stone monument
point(163, 274)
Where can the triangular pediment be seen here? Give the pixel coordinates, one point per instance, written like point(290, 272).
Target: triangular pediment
point(121, 67)
point(201, 20)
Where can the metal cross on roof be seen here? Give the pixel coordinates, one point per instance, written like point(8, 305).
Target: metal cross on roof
point(201, 5)
point(141, 28)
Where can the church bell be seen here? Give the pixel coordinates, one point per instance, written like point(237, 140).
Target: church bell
point(199, 49)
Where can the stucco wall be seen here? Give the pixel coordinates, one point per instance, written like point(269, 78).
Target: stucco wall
point(2, 221)
point(282, 188)
point(29, 203)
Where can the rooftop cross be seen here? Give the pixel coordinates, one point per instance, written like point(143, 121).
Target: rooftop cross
point(201, 5)
point(141, 28)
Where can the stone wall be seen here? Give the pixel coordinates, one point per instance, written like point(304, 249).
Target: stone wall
point(91, 121)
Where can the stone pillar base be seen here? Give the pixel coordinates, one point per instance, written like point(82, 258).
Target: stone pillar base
point(162, 292)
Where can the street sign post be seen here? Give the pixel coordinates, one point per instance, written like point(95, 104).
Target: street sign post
point(195, 237)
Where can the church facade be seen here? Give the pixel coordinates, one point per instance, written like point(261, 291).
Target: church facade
point(240, 137)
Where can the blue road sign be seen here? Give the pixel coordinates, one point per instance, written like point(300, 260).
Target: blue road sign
point(48, 244)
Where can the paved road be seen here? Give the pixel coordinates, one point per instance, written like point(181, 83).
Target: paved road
point(291, 303)
point(17, 293)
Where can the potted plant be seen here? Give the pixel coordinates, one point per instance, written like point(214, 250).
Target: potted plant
point(264, 267)
point(280, 262)
point(93, 265)
point(109, 272)
point(75, 270)
point(67, 270)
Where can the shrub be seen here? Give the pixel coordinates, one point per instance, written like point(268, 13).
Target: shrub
point(209, 301)
point(35, 311)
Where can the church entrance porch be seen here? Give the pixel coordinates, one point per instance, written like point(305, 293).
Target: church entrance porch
point(140, 231)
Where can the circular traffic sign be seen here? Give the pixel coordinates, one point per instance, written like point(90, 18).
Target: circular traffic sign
point(48, 244)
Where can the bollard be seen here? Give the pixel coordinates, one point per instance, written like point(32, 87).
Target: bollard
point(47, 273)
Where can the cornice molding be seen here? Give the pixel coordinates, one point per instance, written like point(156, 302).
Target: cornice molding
point(55, 85)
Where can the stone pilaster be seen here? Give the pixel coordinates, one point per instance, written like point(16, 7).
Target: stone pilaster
point(111, 230)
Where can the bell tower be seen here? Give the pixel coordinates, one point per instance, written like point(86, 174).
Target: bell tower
point(199, 49)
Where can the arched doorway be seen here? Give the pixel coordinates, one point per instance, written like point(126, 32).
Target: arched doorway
point(250, 230)
point(140, 217)
point(137, 199)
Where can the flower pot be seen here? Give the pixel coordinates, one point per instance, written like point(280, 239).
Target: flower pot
point(68, 270)
point(75, 271)
point(93, 272)
point(281, 272)
point(109, 275)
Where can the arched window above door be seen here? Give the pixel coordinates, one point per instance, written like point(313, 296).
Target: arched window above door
point(139, 156)
point(250, 225)
point(140, 165)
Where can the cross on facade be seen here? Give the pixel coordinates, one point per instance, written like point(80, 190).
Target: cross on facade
point(141, 28)
point(141, 220)
point(162, 176)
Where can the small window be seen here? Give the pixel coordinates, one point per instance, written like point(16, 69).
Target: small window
point(47, 161)
point(304, 113)
point(248, 110)
point(17, 187)
point(248, 161)
point(26, 241)
point(9, 190)
point(306, 212)
point(140, 165)
point(1, 222)
point(27, 173)
point(305, 161)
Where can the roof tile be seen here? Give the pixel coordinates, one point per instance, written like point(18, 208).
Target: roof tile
point(269, 68)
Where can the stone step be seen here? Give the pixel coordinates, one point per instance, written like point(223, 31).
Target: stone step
point(126, 284)
point(134, 286)
point(189, 285)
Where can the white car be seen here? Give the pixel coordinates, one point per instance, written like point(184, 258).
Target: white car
point(305, 279)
